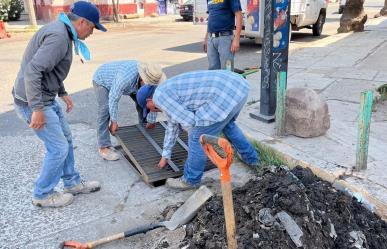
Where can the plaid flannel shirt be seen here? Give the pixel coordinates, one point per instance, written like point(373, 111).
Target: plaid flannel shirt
point(200, 98)
point(120, 78)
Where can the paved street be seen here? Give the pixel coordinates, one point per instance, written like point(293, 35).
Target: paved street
point(324, 64)
point(175, 45)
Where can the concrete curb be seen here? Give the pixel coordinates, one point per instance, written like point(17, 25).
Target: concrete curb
point(380, 208)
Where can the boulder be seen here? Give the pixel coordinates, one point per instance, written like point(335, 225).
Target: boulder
point(307, 114)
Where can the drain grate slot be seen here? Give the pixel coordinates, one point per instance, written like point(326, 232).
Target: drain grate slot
point(142, 148)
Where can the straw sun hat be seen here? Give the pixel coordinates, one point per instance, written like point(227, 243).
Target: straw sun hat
point(150, 73)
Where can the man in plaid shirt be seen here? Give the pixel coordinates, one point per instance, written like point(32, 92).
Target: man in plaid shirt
point(201, 102)
point(111, 81)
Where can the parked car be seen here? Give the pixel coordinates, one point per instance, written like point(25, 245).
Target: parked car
point(341, 6)
point(186, 10)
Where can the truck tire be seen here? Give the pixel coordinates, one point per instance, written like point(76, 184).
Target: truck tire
point(318, 26)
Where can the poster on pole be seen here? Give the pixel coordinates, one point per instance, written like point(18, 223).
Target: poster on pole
point(253, 13)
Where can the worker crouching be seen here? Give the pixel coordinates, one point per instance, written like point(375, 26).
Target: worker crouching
point(201, 102)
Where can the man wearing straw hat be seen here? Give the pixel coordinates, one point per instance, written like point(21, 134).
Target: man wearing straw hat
point(111, 81)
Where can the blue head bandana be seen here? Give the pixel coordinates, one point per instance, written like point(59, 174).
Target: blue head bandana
point(79, 46)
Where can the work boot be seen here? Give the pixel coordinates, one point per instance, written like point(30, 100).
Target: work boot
point(180, 183)
point(54, 200)
point(109, 154)
point(84, 187)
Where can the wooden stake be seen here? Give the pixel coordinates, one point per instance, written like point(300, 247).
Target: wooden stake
point(366, 101)
point(281, 103)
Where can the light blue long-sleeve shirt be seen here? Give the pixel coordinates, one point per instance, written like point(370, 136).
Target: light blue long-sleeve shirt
point(120, 78)
point(199, 98)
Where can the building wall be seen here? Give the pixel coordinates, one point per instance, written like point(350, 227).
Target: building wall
point(48, 10)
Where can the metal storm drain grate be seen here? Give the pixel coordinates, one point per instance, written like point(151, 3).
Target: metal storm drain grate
point(142, 148)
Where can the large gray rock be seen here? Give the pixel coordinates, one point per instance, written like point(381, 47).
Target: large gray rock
point(307, 114)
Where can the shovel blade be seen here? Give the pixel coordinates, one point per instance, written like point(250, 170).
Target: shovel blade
point(189, 209)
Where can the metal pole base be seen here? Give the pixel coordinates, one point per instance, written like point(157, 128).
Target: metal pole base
point(262, 117)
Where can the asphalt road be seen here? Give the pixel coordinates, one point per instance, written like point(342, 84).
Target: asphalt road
point(176, 45)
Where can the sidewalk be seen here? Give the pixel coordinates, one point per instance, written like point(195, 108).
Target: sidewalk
point(339, 68)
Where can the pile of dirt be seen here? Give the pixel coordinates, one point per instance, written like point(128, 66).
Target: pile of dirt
point(279, 202)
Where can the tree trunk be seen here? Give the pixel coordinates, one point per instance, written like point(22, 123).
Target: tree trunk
point(383, 11)
point(353, 18)
point(116, 17)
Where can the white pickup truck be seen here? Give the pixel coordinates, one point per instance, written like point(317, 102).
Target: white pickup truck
point(303, 14)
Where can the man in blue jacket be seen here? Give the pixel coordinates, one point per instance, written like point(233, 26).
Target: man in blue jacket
point(45, 65)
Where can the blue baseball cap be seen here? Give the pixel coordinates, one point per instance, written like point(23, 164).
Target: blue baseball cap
point(144, 93)
point(88, 11)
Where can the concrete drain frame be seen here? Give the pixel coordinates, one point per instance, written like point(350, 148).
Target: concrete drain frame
point(143, 147)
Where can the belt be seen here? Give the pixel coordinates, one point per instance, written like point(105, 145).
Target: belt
point(221, 33)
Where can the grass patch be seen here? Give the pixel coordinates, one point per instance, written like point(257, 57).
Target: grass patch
point(383, 92)
point(268, 156)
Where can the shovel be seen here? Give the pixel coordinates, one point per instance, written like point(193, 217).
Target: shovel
point(181, 216)
point(223, 163)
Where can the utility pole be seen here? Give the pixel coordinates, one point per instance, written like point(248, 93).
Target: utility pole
point(274, 55)
point(31, 13)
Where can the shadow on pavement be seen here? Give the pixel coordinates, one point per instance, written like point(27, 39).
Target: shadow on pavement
point(189, 48)
point(305, 37)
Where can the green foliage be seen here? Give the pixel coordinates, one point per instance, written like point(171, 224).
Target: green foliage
point(268, 156)
point(16, 10)
point(383, 92)
point(10, 10)
point(4, 8)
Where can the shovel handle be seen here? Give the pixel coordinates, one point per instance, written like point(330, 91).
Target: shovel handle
point(142, 229)
point(208, 139)
point(223, 164)
point(229, 216)
point(92, 244)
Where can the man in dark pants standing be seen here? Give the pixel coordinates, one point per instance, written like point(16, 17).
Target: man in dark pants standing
point(220, 42)
point(45, 65)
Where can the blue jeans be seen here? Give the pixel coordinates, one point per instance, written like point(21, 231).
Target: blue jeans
point(59, 158)
point(195, 164)
point(219, 51)
point(103, 119)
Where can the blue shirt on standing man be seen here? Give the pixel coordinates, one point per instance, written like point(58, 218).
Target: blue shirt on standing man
point(221, 15)
point(220, 42)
